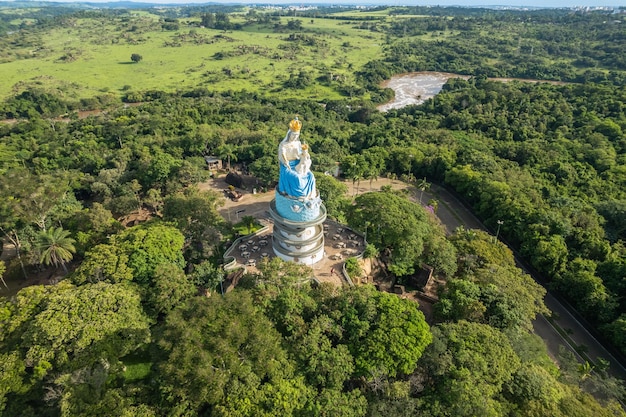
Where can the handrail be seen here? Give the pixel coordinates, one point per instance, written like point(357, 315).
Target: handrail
point(230, 264)
point(345, 275)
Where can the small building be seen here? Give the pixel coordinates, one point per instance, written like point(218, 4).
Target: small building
point(213, 163)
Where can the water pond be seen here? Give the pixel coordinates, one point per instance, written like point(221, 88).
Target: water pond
point(415, 87)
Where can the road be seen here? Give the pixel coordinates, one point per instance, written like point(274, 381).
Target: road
point(453, 214)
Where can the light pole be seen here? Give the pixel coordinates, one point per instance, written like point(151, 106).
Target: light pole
point(423, 185)
point(238, 212)
point(500, 223)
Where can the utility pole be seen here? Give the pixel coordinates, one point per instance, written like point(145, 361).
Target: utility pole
point(500, 223)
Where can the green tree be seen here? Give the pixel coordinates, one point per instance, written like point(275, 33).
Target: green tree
point(33, 197)
point(278, 274)
point(265, 169)
point(467, 365)
point(58, 338)
point(248, 222)
point(80, 325)
point(617, 332)
point(384, 333)
point(228, 151)
point(208, 20)
point(156, 167)
point(400, 229)
point(91, 226)
point(195, 214)
point(222, 21)
point(354, 167)
point(334, 402)
point(170, 288)
point(333, 194)
point(148, 246)
point(534, 387)
point(56, 247)
point(422, 185)
point(136, 58)
point(27, 199)
point(12, 374)
point(513, 299)
point(3, 268)
point(549, 254)
point(223, 353)
point(476, 248)
point(370, 251)
point(501, 296)
point(103, 262)
point(207, 276)
point(586, 289)
point(461, 300)
point(376, 162)
point(294, 24)
point(353, 268)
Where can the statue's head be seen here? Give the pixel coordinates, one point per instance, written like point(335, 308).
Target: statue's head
point(295, 125)
point(293, 135)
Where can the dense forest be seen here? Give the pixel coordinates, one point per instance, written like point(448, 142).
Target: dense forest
point(129, 330)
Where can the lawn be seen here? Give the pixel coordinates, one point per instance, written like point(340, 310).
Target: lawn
point(136, 368)
point(90, 56)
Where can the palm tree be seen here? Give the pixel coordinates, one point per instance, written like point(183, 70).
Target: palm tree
point(248, 222)
point(422, 185)
point(228, 151)
point(372, 174)
point(56, 247)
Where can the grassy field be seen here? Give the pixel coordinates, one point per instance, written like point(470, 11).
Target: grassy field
point(90, 56)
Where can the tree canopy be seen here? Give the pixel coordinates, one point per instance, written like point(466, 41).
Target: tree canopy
point(540, 163)
point(402, 229)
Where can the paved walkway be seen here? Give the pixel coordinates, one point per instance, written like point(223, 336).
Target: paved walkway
point(257, 205)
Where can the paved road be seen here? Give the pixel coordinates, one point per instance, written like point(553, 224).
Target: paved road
point(453, 214)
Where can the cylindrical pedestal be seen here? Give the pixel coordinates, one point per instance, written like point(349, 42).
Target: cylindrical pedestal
point(299, 241)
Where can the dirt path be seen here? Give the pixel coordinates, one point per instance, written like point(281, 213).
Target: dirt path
point(8, 251)
point(256, 205)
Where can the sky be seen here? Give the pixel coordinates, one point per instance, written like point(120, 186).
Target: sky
point(466, 3)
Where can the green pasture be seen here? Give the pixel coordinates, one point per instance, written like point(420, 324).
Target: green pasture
point(92, 56)
point(19, 11)
point(24, 21)
point(385, 13)
point(144, 13)
point(364, 13)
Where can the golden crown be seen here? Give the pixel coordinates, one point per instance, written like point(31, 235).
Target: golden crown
point(295, 125)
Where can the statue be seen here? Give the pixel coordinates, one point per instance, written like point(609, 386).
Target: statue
point(295, 178)
point(297, 209)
